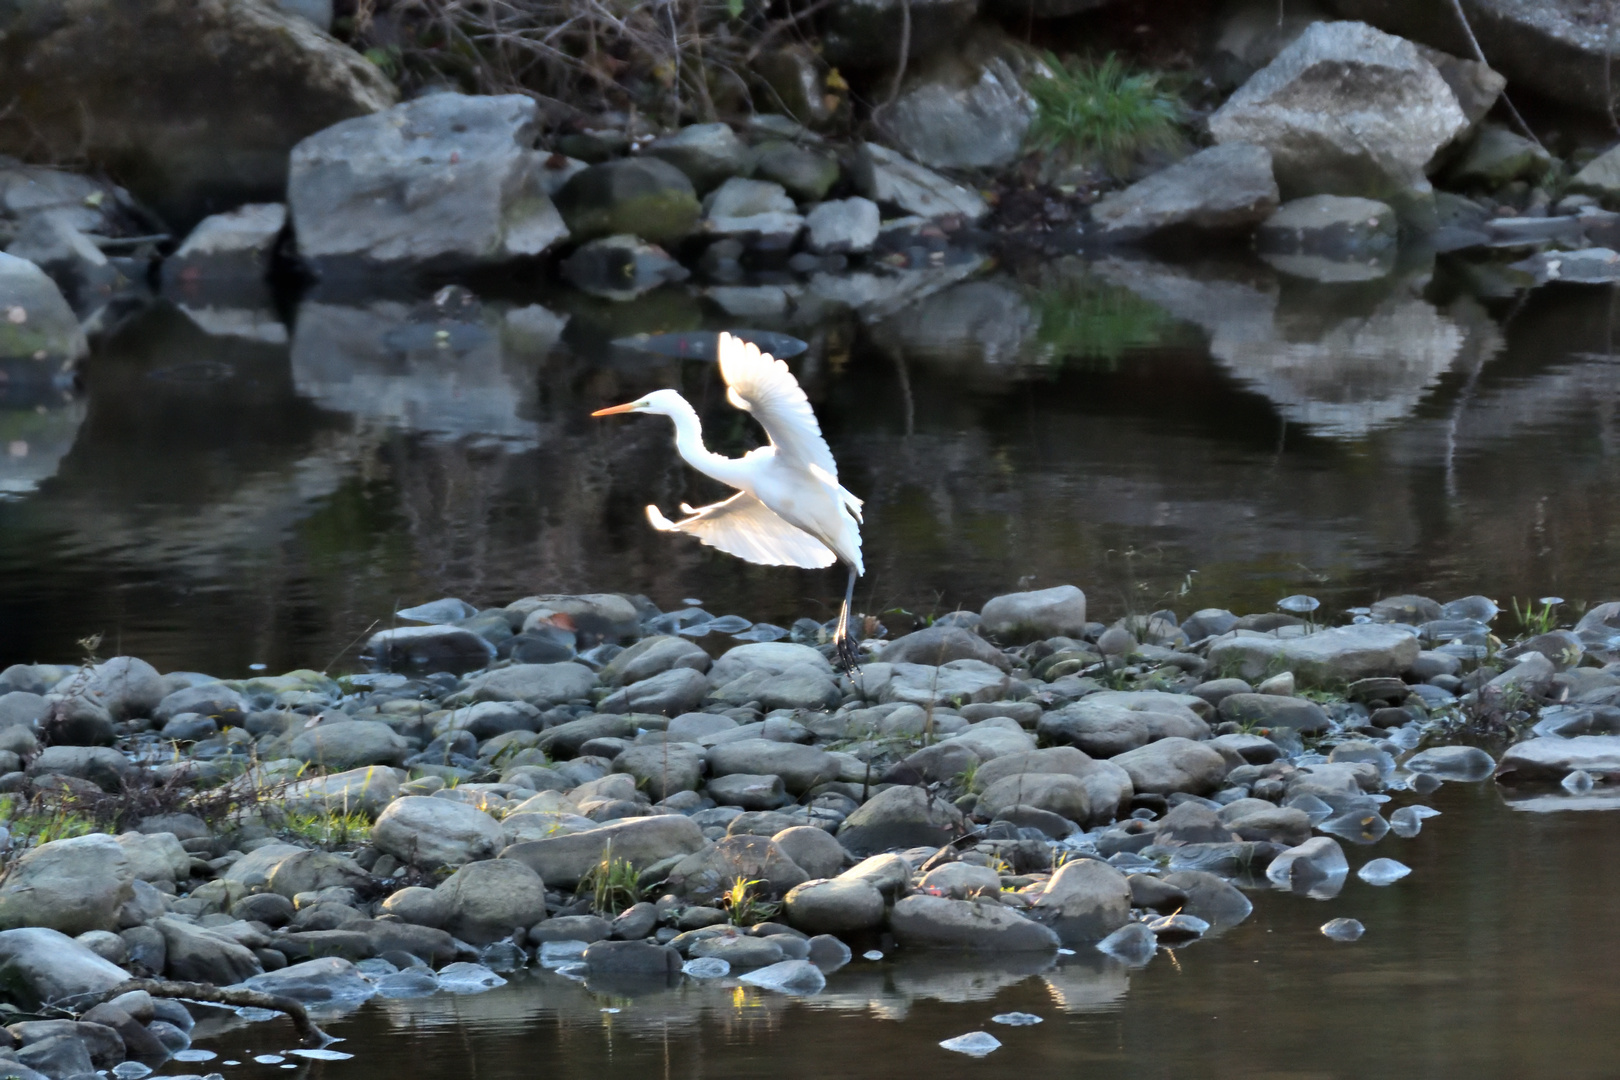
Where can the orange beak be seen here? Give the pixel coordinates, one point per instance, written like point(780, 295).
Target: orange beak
point(629, 407)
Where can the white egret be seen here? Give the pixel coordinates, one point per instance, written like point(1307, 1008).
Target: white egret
point(790, 509)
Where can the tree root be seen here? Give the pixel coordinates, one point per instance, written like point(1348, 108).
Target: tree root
point(308, 1034)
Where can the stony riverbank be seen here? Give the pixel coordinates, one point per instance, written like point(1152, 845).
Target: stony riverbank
point(631, 797)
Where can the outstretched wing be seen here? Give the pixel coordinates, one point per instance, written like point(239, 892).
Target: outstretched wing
point(743, 526)
point(761, 384)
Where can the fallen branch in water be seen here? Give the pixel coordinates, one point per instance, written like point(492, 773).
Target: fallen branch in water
point(308, 1033)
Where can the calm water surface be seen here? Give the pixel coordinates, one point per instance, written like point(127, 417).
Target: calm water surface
point(1497, 957)
point(242, 484)
point(238, 484)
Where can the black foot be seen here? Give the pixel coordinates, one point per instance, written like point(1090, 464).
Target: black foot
point(848, 658)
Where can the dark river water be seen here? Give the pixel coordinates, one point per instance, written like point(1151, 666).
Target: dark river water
point(246, 484)
point(1497, 957)
point(237, 483)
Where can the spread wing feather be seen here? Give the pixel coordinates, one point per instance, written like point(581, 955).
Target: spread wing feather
point(763, 386)
point(743, 526)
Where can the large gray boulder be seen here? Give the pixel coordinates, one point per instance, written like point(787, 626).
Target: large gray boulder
point(1108, 786)
point(800, 767)
point(957, 682)
point(430, 833)
point(486, 901)
point(671, 692)
point(942, 644)
point(71, 885)
point(312, 871)
point(1561, 49)
point(442, 182)
point(1056, 793)
point(1221, 190)
point(1341, 654)
point(1330, 226)
point(1085, 901)
point(662, 769)
point(706, 874)
point(350, 744)
point(252, 871)
point(815, 850)
point(1104, 728)
point(707, 153)
point(367, 790)
point(39, 965)
point(213, 699)
point(892, 179)
point(101, 765)
point(1600, 176)
point(842, 226)
point(771, 657)
point(1172, 765)
point(935, 922)
point(839, 906)
point(426, 649)
point(1549, 759)
point(1272, 711)
point(563, 860)
point(127, 687)
point(964, 109)
point(36, 317)
point(330, 979)
point(197, 955)
point(155, 856)
point(541, 685)
point(195, 110)
point(653, 656)
point(1346, 110)
point(900, 817)
point(1037, 614)
point(802, 686)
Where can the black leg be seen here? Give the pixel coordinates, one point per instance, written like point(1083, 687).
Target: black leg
point(849, 660)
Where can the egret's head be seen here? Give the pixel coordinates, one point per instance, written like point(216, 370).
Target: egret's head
point(661, 402)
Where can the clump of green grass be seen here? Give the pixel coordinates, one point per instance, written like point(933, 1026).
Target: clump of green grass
point(1538, 617)
point(36, 823)
point(743, 905)
point(333, 828)
point(612, 884)
point(1102, 111)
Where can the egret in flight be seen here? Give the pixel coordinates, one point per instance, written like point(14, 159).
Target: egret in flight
point(790, 509)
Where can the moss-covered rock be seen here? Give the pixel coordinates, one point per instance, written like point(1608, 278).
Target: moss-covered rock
point(642, 197)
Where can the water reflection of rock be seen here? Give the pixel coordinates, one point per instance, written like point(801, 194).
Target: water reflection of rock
point(984, 324)
point(387, 362)
point(33, 440)
point(1342, 360)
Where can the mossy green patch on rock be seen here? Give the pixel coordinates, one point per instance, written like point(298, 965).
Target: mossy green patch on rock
point(642, 197)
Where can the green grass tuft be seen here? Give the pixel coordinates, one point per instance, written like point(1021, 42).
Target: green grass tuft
point(36, 824)
point(332, 828)
point(612, 884)
point(1102, 111)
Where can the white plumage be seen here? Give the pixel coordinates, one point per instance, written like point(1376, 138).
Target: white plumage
point(790, 509)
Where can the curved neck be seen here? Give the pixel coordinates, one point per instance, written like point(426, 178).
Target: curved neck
point(689, 444)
